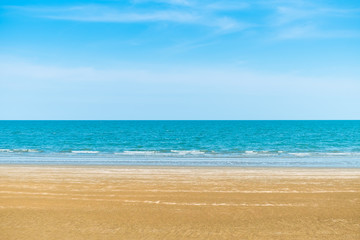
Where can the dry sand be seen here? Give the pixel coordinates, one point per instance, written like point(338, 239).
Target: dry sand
point(178, 203)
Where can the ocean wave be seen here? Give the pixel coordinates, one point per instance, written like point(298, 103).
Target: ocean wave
point(190, 153)
point(83, 151)
point(256, 154)
point(22, 150)
point(232, 154)
point(19, 150)
point(161, 153)
point(6, 150)
point(137, 153)
point(185, 152)
point(250, 152)
point(300, 154)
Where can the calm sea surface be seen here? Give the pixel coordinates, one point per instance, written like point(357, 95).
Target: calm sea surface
point(182, 143)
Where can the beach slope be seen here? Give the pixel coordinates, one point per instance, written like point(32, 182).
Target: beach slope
point(47, 202)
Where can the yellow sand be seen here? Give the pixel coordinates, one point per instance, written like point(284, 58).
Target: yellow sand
point(178, 203)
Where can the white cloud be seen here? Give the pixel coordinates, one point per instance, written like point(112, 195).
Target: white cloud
point(98, 13)
point(312, 31)
point(289, 14)
point(227, 5)
point(310, 20)
point(170, 16)
point(171, 2)
point(287, 19)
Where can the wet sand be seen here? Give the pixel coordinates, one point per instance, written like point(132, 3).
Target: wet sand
point(89, 203)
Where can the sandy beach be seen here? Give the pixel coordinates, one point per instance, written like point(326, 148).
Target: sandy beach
point(63, 202)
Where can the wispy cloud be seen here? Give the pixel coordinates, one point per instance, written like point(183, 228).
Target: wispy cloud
point(98, 13)
point(170, 16)
point(227, 5)
point(311, 31)
point(289, 14)
point(286, 19)
point(305, 19)
point(194, 13)
point(171, 2)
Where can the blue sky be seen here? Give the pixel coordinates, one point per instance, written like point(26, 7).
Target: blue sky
point(179, 59)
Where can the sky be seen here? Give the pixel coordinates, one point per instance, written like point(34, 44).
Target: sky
point(179, 59)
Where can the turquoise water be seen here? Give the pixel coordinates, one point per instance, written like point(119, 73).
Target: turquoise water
point(182, 143)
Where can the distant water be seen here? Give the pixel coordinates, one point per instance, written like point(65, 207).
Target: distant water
point(182, 143)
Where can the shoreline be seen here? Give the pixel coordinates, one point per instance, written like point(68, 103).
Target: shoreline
point(172, 166)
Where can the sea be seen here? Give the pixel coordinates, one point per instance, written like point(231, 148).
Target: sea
point(331, 144)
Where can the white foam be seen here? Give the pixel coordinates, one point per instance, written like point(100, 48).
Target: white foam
point(85, 151)
point(25, 150)
point(172, 152)
point(6, 150)
point(300, 154)
point(184, 152)
point(32, 150)
point(137, 153)
point(250, 152)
